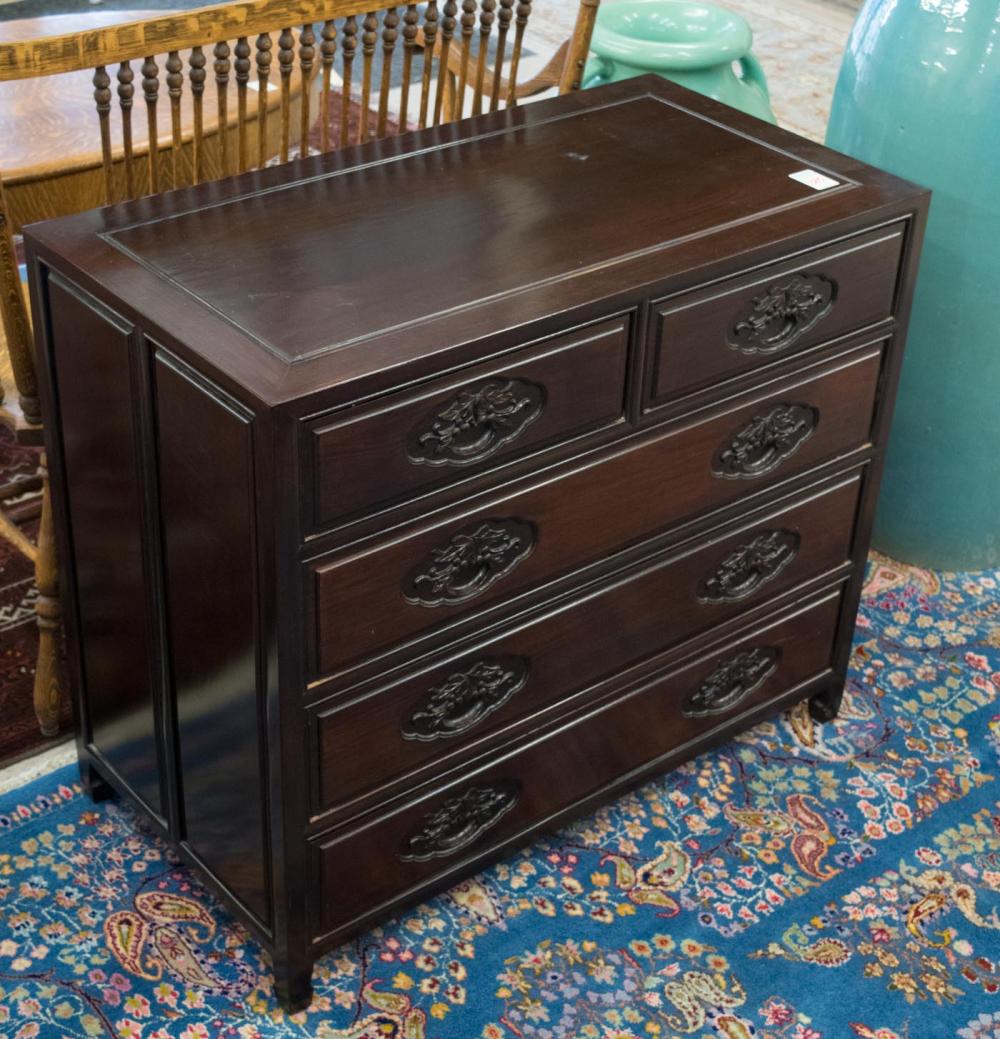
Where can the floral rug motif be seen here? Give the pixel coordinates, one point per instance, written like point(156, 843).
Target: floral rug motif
point(803, 881)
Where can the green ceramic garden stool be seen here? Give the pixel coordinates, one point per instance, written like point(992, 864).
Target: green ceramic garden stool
point(696, 45)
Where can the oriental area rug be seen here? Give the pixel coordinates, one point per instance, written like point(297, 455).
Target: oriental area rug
point(800, 882)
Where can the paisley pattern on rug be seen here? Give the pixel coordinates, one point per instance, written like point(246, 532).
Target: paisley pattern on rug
point(803, 881)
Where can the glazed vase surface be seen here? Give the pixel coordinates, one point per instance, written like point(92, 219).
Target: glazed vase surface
point(700, 46)
point(919, 95)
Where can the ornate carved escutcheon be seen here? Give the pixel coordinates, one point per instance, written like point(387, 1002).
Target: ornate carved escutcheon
point(460, 820)
point(786, 311)
point(466, 697)
point(765, 441)
point(751, 565)
point(475, 422)
point(469, 562)
point(732, 682)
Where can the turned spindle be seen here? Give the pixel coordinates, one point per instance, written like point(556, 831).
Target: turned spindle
point(175, 87)
point(369, 36)
point(286, 62)
point(486, 17)
point(263, 58)
point(126, 92)
point(328, 51)
point(102, 100)
point(307, 58)
point(241, 66)
point(427, 67)
point(504, 16)
point(196, 77)
point(151, 95)
point(389, 22)
point(447, 31)
point(221, 66)
point(410, 19)
point(348, 47)
point(468, 23)
point(522, 14)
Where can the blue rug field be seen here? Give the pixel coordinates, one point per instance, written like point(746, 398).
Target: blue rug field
point(803, 881)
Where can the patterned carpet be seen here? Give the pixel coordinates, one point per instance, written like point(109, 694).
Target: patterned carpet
point(802, 882)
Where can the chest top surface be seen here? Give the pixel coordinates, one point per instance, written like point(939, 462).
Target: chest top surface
point(363, 249)
point(408, 246)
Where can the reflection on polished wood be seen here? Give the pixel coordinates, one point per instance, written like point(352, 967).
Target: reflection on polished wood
point(135, 105)
point(429, 429)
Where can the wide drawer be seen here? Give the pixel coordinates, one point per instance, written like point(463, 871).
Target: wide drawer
point(370, 601)
point(424, 720)
point(701, 337)
point(359, 873)
point(531, 399)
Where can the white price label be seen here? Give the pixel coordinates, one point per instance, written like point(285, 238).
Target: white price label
point(813, 179)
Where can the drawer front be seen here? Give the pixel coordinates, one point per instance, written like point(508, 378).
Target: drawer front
point(374, 600)
point(707, 335)
point(416, 442)
point(425, 720)
point(398, 855)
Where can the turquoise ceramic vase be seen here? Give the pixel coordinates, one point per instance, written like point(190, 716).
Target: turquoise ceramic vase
point(694, 44)
point(919, 95)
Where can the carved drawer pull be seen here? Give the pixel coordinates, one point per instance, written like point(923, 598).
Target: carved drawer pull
point(765, 442)
point(466, 697)
point(469, 562)
point(475, 422)
point(749, 567)
point(786, 311)
point(460, 820)
point(732, 681)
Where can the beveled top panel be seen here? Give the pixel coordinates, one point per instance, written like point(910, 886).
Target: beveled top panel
point(363, 250)
point(337, 276)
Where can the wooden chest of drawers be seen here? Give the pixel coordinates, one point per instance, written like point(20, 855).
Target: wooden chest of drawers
point(418, 496)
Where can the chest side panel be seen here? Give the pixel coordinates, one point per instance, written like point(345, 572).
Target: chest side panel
point(91, 357)
point(206, 468)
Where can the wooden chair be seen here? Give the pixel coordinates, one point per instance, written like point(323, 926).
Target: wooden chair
point(216, 102)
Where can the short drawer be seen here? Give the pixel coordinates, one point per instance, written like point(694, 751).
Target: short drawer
point(397, 856)
point(701, 337)
point(426, 720)
point(371, 601)
point(529, 400)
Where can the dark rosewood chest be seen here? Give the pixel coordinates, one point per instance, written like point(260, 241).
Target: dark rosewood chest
point(420, 495)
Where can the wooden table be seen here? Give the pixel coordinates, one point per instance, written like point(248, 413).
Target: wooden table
point(50, 145)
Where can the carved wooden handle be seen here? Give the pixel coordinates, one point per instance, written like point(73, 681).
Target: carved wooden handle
point(466, 697)
point(749, 567)
point(460, 820)
point(732, 682)
point(785, 312)
point(475, 422)
point(765, 441)
point(469, 562)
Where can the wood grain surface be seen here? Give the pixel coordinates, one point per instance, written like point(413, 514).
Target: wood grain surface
point(361, 606)
point(569, 651)
point(497, 615)
point(555, 772)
